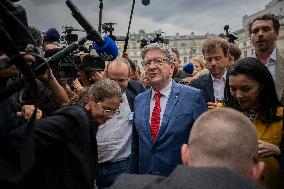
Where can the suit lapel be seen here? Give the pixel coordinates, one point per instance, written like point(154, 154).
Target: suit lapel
point(146, 113)
point(130, 97)
point(209, 87)
point(170, 106)
point(279, 74)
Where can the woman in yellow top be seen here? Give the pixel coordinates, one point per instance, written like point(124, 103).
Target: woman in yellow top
point(250, 88)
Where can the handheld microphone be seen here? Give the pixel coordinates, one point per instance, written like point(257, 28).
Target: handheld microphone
point(188, 68)
point(105, 47)
point(108, 51)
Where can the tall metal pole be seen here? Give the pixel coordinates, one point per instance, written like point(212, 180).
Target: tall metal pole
point(128, 29)
point(101, 6)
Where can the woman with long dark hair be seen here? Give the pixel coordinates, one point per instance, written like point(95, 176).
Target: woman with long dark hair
point(250, 89)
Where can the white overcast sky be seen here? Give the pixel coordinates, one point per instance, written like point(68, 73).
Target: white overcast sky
point(171, 16)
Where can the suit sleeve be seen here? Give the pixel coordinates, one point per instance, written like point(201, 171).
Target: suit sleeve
point(193, 83)
point(135, 147)
point(200, 105)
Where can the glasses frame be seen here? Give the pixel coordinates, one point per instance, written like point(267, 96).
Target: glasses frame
point(158, 61)
point(107, 112)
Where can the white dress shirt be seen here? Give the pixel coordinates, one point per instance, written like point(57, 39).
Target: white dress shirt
point(114, 137)
point(163, 100)
point(270, 63)
point(219, 86)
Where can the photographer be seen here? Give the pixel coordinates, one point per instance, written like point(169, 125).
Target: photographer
point(51, 94)
point(17, 152)
point(91, 69)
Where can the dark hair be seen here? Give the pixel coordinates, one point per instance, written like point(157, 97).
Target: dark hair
point(235, 51)
point(267, 99)
point(272, 17)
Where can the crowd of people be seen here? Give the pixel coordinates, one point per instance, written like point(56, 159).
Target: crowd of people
point(121, 126)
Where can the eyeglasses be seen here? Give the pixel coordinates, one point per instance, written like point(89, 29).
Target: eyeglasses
point(108, 112)
point(111, 112)
point(157, 61)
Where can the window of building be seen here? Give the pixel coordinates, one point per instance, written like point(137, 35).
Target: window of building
point(137, 45)
point(245, 54)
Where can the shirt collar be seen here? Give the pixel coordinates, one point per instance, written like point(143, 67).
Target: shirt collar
point(272, 56)
point(165, 91)
point(223, 78)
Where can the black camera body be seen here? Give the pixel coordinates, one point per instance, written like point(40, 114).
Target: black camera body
point(12, 27)
point(65, 70)
point(230, 35)
point(157, 39)
point(68, 36)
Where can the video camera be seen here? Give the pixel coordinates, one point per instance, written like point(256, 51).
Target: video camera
point(157, 39)
point(15, 36)
point(108, 29)
point(67, 68)
point(230, 35)
point(68, 36)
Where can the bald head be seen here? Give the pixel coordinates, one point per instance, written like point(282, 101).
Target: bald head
point(119, 71)
point(223, 138)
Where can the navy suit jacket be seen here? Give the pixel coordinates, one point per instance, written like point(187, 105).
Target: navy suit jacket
point(133, 89)
point(205, 84)
point(184, 106)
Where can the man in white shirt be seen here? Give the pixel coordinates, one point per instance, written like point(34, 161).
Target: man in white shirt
point(114, 138)
point(215, 51)
point(264, 31)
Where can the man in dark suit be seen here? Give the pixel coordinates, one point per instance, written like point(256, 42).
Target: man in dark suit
point(115, 136)
point(264, 31)
point(215, 51)
point(164, 114)
point(213, 157)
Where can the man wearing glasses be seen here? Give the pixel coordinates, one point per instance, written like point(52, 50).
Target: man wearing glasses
point(115, 136)
point(164, 114)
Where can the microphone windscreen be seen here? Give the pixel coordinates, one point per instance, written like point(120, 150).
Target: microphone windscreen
point(108, 51)
point(145, 2)
point(188, 68)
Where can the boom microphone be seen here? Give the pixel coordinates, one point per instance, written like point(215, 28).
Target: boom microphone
point(105, 47)
point(188, 68)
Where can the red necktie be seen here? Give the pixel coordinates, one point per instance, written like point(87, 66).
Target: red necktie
point(156, 115)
